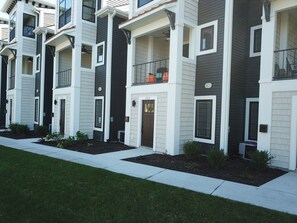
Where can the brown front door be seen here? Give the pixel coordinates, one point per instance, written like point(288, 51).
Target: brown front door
point(62, 116)
point(147, 128)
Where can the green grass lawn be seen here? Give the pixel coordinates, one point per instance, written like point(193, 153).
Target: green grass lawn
point(39, 189)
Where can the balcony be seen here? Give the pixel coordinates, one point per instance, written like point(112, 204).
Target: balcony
point(151, 72)
point(11, 82)
point(285, 64)
point(64, 78)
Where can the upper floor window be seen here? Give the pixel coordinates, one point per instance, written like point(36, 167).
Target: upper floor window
point(29, 25)
point(88, 10)
point(255, 41)
point(100, 53)
point(64, 12)
point(12, 26)
point(207, 38)
point(143, 2)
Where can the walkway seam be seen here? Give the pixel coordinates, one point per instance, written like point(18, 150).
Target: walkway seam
point(217, 187)
point(154, 174)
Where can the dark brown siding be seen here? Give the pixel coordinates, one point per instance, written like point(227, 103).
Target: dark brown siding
point(3, 92)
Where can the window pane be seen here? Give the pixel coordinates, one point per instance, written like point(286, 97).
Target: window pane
point(37, 63)
point(98, 113)
point(257, 40)
point(186, 50)
point(36, 112)
point(29, 26)
point(64, 12)
point(203, 119)
point(89, 3)
point(207, 38)
point(88, 14)
point(253, 121)
point(100, 55)
point(143, 2)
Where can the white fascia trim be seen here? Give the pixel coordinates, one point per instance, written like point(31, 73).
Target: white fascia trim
point(252, 37)
point(293, 141)
point(110, 10)
point(215, 38)
point(96, 53)
point(103, 106)
point(247, 118)
point(213, 98)
point(226, 80)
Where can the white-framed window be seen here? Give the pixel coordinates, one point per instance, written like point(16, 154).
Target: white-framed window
point(99, 113)
point(207, 38)
point(37, 63)
point(205, 119)
point(141, 3)
point(100, 53)
point(251, 119)
point(29, 24)
point(255, 41)
point(36, 110)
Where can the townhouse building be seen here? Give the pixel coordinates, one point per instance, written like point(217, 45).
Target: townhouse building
point(89, 70)
point(24, 17)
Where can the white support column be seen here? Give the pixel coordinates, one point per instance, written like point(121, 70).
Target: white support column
point(56, 61)
point(42, 78)
point(130, 60)
point(227, 57)
point(174, 84)
point(293, 143)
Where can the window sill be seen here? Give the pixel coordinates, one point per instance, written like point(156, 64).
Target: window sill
point(208, 141)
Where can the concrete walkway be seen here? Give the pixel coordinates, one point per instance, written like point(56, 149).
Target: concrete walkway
point(279, 194)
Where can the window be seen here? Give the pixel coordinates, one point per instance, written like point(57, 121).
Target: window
point(143, 2)
point(255, 41)
point(11, 81)
point(27, 65)
point(12, 26)
point(28, 25)
point(64, 12)
point(99, 104)
point(88, 10)
point(37, 63)
point(207, 38)
point(205, 108)
point(86, 56)
point(36, 110)
point(251, 119)
point(100, 53)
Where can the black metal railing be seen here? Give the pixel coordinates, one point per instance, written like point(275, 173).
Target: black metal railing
point(151, 72)
point(12, 34)
point(11, 82)
point(64, 78)
point(285, 64)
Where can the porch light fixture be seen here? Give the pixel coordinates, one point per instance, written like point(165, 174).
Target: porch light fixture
point(133, 103)
point(6, 101)
point(55, 102)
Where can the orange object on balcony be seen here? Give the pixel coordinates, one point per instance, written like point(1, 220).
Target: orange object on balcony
point(165, 76)
point(151, 78)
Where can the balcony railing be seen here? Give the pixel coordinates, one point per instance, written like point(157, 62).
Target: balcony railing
point(151, 72)
point(12, 34)
point(64, 78)
point(285, 64)
point(11, 82)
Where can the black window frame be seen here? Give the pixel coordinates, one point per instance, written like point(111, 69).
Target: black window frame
point(141, 3)
point(98, 113)
point(65, 15)
point(29, 28)
point(212, 27)
point(210, 113)
point(92, 11)
point(257, 40)
point(253, 126)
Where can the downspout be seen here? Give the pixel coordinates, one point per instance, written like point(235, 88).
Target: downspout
point(108, 76)
point(42, 79)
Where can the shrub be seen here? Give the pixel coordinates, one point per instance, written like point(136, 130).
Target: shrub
point(216, 158)
point(55, 136)
point(41, 130)
point(66, 142)
point(81, 137)
point(192, 150)
point(19, 129)
point(260, 159)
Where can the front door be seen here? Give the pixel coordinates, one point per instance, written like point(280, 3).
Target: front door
point(147, 128)
point(62, 116)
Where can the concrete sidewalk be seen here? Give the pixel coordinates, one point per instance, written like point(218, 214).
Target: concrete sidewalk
point(279, 194)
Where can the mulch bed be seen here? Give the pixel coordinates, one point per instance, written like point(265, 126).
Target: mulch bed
point(236, 170)
point(10, 134)
point(92, 146)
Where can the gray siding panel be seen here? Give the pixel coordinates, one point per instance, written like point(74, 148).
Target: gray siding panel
point(209, 66)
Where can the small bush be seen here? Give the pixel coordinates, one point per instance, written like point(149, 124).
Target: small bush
point(192, 150)
point(260, 159)
point(55, 136)
point(81, 137)
point(19, 129)
point(41, 130)
point(66, 142)
point(216, 158)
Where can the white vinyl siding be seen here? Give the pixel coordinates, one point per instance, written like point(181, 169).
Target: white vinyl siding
point(191, 11)
point(27, 101)
point(89, 32)
point(29, 46)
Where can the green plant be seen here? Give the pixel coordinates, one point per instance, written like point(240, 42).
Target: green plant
point(66, 142)
point(216, 158)
point(81, 137)
point(41, 130)
point(192, 150)
point(260, 159)
point(55, 136)
point(19, 129)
